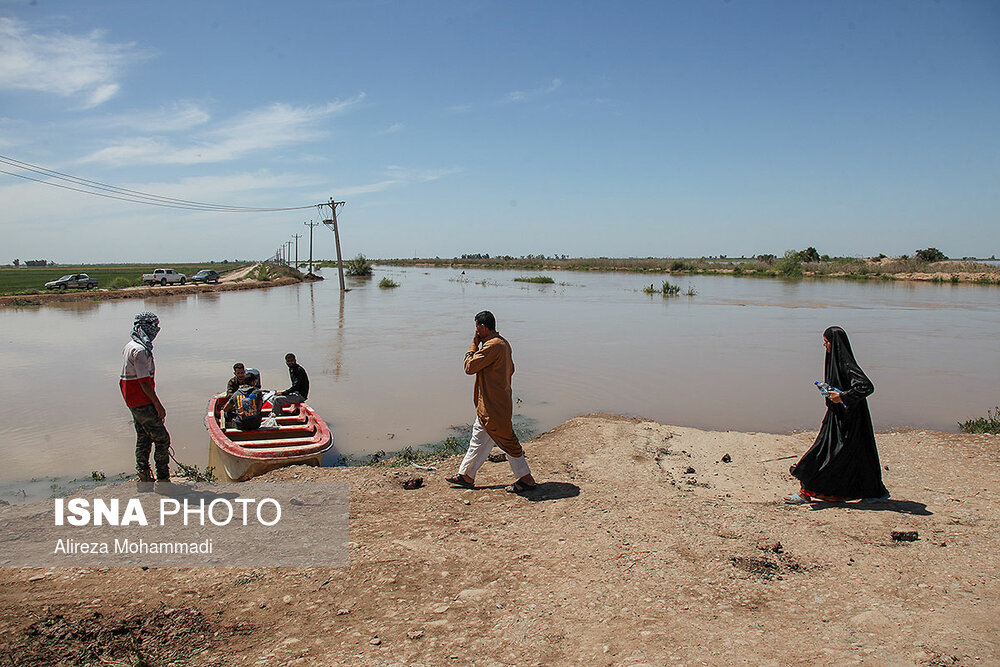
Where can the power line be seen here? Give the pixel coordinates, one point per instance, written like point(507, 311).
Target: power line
point(99, 189)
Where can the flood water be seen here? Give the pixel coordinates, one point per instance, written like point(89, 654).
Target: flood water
point(385, 365)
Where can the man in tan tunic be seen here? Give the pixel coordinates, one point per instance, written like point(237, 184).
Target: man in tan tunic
point(489, 359)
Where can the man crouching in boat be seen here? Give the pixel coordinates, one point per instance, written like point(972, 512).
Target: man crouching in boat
point(139, 391)
point(246, 404)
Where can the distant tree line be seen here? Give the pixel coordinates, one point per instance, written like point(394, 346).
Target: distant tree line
point(34, 262)
point(486, 255)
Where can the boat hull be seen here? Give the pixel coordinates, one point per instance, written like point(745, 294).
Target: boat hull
point(302, 438)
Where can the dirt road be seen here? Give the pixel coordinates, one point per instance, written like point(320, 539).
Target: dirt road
point(234, 280)
point(642, 547)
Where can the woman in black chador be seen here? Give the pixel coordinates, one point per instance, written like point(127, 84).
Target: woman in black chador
point(843, 462)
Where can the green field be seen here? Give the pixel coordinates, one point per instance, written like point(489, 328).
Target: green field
point(32, 280)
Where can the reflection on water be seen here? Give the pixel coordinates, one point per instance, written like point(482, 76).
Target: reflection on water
point(386, 365)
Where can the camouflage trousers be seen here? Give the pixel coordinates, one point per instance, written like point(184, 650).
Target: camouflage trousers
point(149, 430)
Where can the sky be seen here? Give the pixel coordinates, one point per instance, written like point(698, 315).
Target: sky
point(584, 128)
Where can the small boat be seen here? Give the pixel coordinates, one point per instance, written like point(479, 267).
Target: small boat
point(301, 438)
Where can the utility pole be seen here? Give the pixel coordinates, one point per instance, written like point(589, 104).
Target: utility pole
point(297, 237)
point(310, 225)
point(288, 251)
point(332, 222)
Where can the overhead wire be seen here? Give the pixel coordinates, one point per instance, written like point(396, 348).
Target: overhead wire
point(99, 189)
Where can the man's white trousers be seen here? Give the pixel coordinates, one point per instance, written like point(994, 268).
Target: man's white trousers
point(480, 446)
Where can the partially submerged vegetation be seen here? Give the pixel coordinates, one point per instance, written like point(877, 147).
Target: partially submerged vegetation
point(988, 424)
point(387, 283)
point(928, 264)
point(667, 289)
point(358, 267)
point(542, 280)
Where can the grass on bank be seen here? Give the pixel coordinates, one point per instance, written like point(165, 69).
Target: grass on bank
point(453, 445)
point(794, 265)
point(31, 280)
point(988, 424)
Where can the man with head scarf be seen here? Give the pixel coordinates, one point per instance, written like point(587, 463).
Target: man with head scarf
point(139, 391)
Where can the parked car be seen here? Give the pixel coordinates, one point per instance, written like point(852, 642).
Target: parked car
point(205, 276)
point(81, 280)
point(164, 277)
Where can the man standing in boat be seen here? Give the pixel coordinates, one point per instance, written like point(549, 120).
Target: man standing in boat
point(489, 359)
point(139, 391)
point(297, 393)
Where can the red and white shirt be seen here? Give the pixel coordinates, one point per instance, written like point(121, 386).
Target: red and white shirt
point(137, 367)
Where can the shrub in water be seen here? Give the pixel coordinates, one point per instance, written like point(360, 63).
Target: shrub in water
point(387, 283)
point(670, 290)
point(359, 266)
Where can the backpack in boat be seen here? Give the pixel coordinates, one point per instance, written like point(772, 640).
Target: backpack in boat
point(248, 403)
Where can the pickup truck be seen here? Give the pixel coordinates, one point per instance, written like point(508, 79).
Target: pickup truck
point(81, 280)
point(164, 277)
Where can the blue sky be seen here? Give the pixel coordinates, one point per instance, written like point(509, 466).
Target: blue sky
point(580, 128)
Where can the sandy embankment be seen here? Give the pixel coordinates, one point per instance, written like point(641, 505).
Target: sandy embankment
point(642, 547)
point(232, 281)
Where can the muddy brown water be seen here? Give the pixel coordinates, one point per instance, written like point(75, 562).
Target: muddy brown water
point(386, 364)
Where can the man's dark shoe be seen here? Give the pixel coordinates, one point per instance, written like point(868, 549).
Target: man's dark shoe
point(145, 474)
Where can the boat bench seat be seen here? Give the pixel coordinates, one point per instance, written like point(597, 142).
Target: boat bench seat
point(295, 431)
point(281, 443)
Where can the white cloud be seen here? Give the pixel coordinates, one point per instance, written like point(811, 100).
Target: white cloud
point(270, 127)
point(523, 95)
point(392, 129)
point(102, 94)
point(80, 66)
point(176, 117)
point(409, 175)
point(397, 175)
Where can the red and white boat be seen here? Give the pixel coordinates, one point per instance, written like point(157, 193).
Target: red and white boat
point(301, 438)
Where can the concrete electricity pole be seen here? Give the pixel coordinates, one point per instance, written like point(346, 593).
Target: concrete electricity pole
point(332, 222)
point(297, 237)
point(310, 225)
